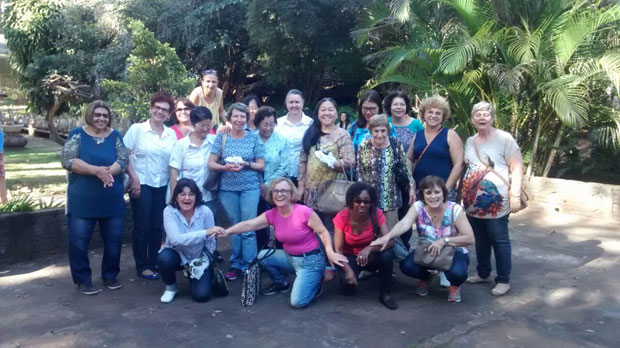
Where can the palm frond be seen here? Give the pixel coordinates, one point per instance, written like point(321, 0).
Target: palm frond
point(376, 18)
point(460, 52)
point(568, 98)
point(401, 10)
point(469, 11)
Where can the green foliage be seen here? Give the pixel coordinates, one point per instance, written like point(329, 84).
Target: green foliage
point(152, 67)
point(19, 203)
point(303, 44)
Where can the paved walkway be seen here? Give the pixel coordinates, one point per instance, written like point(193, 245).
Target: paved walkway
point(565, 294)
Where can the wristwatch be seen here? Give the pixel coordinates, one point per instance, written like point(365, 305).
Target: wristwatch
point(446, 240)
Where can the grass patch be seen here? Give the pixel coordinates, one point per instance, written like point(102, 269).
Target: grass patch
point(37, 169)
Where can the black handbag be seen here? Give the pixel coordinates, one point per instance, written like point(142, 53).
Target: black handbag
point(250, 289)
point(219, 286)
point(402, 179)
point(212, 182)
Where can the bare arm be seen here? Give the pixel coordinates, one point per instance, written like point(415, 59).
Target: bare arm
point(401, 227)
point(174, 176)
point(409, 155)
point(515, 163)
point(456, 155)
point(257, 223)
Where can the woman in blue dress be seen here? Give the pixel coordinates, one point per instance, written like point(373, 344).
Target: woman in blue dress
point(95, 157)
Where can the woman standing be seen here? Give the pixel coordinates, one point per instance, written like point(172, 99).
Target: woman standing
point(345, 121)
point(436, 150)
point(189, 232)
point(292, 127)
point(491, 191)
point(151, 143)
point(95, 157)
point(253, 104)
point(440, 222)
point(210, 96)
point(239, 183)
point(181, 124)
point(355, 228)
point(398, 108)
point(369, 105)
point(276, 151)
point(296, 226)
point(378, 160)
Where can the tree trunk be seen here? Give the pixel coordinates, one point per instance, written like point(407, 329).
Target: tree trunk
point(530, 166)
point(554, 151)
point(50, 121)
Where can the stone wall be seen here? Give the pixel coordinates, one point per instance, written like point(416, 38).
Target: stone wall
point(574, 197)
point(26, 235)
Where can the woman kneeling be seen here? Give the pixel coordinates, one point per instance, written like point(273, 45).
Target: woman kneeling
point(295, 226)
point(440, 222)
point(355, 228)
point(189, 230)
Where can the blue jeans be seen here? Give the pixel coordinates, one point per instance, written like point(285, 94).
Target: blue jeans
point(169, 262)
point(308, 270)
point(492, 233)
point(148, 222)
point(80, 231)
point(457, 274)
point(241, 206)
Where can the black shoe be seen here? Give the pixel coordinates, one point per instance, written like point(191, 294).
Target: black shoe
point(88, 289)
point(112, 284)
point(217, 256)
point(276, 288)
point(387, 301)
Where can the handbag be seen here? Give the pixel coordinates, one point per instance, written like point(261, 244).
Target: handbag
point(331, 197)
point(212, 182)
point(219, 286)
point(523, 197)
point(441, 262)
point(402, 179)
point(250, 288)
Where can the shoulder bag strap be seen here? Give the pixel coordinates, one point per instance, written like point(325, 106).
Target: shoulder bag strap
point(415, 162)
point(374, 219)
point(488, 165)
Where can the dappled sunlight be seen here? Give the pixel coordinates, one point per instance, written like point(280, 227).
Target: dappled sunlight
point(8, 280)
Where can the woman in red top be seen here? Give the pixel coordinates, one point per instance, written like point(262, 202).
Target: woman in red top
point(355, 228)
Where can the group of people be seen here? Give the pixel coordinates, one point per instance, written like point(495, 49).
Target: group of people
point(272, 171)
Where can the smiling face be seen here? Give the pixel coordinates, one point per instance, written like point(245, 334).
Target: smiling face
point(369, 109)
point(294, 104)
point(202, 128)
point(482, 120)
point(282, 194)
point(238, 119)
point(379, 136)
point(398, 107)
point(182, 112)
point(209, 83)
point(160, 111)
point(253, 107)
point(433, 197)
point(433, 117)
point(361, 203)
point(101, 119)
point(266, 126)
point(186, 199)
point(327, 113)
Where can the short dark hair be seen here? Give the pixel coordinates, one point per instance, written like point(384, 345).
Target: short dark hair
point(163, 97)
point(314, 132)
point(431, 181)
point(264, 112)
point(185, 102)
point(90, 111)
point(181, 184)
point(357, 188)
point(200, 113)
point(368, 96)
point(251, 97)
point(397, 94)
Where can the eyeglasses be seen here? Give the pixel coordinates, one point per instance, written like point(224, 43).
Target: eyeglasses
point(98, 114)
point(362, 201)
point(369, 109)
point(183, 109)
point(160, 109)
point(281, 192)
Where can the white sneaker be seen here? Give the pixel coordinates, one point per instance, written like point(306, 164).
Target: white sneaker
point(443, 281)
point(168, 296)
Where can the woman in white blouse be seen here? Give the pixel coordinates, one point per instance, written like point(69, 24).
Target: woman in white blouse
point(151, 144)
